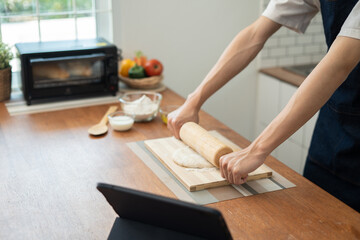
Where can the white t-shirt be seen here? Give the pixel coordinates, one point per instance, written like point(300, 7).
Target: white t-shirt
point(297, 14)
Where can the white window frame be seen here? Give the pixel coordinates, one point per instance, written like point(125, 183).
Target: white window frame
point(102, 10)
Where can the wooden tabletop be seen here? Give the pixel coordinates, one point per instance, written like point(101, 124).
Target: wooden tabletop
point(49, 167)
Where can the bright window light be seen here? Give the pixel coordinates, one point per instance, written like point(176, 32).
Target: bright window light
point(53, 20)
point(49, 20)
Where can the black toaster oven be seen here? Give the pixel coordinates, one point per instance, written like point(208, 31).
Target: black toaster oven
point(68, 69)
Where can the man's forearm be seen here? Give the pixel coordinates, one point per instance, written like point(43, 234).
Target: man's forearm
point(317, 88)
point(241, 51)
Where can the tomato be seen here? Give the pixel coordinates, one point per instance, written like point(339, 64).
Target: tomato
point(125, 65)
point(153, 67)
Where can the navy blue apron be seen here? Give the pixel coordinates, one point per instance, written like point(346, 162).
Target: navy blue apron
point(333, 162)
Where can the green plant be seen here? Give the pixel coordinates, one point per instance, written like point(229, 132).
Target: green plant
point(5, 55)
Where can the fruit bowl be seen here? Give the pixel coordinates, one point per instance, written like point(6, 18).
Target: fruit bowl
point(142, 83)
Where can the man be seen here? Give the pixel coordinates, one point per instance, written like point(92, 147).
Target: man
point(334, 86)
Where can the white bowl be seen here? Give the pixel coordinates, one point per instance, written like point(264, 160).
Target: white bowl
point(120, 121)
point(143, 105)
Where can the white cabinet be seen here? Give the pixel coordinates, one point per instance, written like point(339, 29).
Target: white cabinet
point(272, 97)
point(269, 107)
point(291, 154)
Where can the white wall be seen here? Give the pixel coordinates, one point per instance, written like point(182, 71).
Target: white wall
point(188, 37)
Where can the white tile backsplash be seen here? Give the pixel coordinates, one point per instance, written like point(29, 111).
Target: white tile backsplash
point(316, 58)
point(319, 39)
point(287, 41)
point(286, 61)
point(272, 42)
point(295, 50)
point(271, 62)
point(304, 39)
point(277, 52)
point(312, 49)
point(304, 59)
point(316, 26)
point(287, 47)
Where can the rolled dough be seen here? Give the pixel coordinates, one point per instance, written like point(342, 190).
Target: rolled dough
point(186, 157)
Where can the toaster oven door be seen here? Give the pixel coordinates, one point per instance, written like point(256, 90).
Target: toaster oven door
point(60, 72)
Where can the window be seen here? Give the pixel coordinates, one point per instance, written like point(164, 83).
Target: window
point(49, 20)
point(53, 20)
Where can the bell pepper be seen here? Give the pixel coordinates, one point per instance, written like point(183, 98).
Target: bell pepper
point(137, 72)
point(125, 66)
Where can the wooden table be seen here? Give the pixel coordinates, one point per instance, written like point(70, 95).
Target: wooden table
point(49, 167)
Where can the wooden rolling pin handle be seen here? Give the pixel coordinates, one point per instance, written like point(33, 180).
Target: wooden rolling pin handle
point(203, 142)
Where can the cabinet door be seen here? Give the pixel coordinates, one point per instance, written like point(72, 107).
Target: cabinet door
point(291, 154)
point(268, 99)
point(259, 128)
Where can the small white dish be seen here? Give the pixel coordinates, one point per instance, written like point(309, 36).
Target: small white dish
point(120, 121)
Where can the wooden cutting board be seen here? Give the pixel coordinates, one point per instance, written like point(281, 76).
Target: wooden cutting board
point(196, 179)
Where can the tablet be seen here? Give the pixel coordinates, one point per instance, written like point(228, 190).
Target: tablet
point(162, 215)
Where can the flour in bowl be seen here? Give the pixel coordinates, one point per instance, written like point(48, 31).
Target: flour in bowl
point(143, 108)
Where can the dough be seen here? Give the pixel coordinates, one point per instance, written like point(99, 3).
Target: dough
point(186, 157)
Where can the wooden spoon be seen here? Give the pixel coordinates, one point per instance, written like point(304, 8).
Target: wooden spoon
point(101, 127)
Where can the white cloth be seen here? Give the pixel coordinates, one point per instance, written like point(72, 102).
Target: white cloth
point(297, 14)
point(293, 14)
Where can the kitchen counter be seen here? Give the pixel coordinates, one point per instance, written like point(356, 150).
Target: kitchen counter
point(49, 167)
point(285, 75)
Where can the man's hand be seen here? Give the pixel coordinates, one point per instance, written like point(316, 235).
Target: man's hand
point(236, 166)
point(186, 113)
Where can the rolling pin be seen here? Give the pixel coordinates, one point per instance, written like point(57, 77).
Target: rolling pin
point(202, 142)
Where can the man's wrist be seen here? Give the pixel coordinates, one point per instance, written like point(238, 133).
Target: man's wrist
point(193, 100)
point(261, 147)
